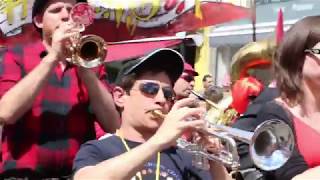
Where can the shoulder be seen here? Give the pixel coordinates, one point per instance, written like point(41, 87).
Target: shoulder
point(274, 109)
point(266, 111)
point(107, 143)
point(96, 151)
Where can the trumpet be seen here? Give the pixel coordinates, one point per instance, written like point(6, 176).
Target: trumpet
point(270, 145)
point(90, 50)
point(87, 51)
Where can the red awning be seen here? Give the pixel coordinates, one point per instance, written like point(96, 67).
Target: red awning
point(118, 52)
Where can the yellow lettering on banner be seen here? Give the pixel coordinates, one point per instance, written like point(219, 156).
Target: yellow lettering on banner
point(11, 5)
point(106, 14)
point(155, 9)
point(97, 10)
point(2, 7)
point(118, 14)
point(128, 21)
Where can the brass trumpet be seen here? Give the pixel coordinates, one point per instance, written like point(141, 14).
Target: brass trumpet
point(270, 145)
point(87, 51)
point(90, 50)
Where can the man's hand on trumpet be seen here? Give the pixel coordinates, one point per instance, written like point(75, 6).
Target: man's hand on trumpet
point(60, 40)
point(180, 119)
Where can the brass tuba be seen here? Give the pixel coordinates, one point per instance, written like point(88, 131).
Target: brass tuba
point(89, 50)
point(251, 57)
point(225, 117)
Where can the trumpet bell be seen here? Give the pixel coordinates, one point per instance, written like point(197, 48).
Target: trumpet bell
point(91, 51)
point(271, 145)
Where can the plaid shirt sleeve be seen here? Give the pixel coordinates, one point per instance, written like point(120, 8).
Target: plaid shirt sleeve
point(10, 69)
point(102, 75)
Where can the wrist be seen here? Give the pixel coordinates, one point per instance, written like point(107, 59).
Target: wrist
point(156, 143)
point(85, 73)
point(51, 59)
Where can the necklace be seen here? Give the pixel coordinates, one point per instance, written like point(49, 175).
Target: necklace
point(139, 173)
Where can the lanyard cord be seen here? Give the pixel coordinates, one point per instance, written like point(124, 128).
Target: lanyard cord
point(128, 149)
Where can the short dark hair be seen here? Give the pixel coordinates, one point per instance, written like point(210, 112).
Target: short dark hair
point(205, 77)
point(290, 57)
point(38, 7)
point(214, 93)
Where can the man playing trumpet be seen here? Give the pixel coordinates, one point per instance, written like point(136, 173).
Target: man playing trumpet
point(44, 101)
point(144, 146)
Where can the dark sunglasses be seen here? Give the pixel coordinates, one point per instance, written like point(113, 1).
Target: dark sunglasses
point(313, 51)
point(151, 88)
point(187, 78)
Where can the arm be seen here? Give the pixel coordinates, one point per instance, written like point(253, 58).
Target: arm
point(218, 171)
point(313, 173)
point(18, 99)
point(101, 100)
point(171, 128)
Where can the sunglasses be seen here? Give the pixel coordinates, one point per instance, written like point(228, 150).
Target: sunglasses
point(151, 88)
point(313, 51)
point(187, 78)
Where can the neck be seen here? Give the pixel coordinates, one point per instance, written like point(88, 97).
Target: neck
point(46, 44)
point(133, 134)
point(311, 100)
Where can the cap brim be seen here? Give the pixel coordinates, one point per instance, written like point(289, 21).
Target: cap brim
point(172, 60)
point(193, 73)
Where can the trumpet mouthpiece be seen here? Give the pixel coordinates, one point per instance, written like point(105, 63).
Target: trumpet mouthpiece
point(158, 114)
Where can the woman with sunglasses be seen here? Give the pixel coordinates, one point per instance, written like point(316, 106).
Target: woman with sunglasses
point(145, 145)
point(297, 72)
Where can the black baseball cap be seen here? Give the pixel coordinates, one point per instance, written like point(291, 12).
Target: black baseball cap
point(171, 61)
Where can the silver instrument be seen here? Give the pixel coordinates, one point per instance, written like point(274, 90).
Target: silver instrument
point(270, 145)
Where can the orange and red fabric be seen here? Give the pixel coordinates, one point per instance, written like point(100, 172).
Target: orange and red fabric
point(243, 90)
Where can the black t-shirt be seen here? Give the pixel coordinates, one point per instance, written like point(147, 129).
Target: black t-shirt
point(295, 165)
point(174, 163)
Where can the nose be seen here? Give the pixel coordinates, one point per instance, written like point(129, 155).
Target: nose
point(65, 14)
point(160, 99)
point(192, 84)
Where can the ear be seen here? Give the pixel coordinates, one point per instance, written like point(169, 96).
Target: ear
point(38, 21)
point(119, 96)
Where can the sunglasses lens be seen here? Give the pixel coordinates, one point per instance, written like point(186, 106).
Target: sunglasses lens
point(168, 93)
point(314, 51)
point(188, 78)
point(150, 88)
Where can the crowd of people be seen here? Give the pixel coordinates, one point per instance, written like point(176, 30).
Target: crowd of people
point(49, 107)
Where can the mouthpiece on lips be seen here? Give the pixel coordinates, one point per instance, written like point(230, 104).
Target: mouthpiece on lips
point(157, 113)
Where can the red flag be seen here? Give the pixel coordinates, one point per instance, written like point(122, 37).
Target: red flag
point(279, 28)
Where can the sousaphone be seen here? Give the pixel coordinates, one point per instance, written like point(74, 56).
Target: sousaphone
point(255, 59)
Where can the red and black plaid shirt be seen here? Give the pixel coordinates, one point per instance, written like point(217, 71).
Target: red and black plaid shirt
point(47, 137)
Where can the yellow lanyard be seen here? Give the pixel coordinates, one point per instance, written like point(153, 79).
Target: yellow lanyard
point(139, 174)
